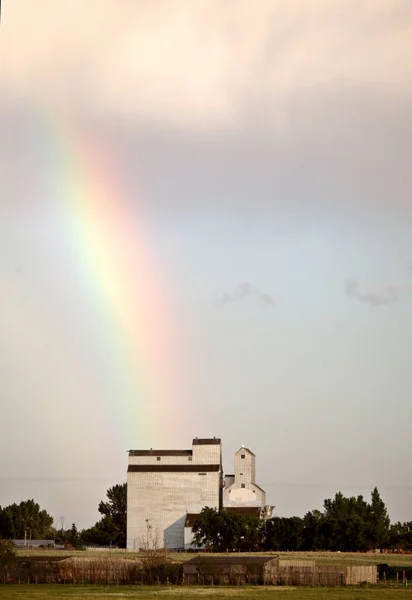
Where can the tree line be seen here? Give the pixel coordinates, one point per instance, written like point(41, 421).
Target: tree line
point(28, 521)
point(346, 525)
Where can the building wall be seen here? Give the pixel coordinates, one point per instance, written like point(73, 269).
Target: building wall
point(244, 491)
point(245, 465)
point(189, 540)
point(158, 501)
point(251, 495)
point(229, 480)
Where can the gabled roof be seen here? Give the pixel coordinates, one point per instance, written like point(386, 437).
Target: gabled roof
point(210, 560)
point(243, 448)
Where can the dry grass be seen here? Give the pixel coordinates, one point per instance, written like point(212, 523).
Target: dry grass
point(322, 558)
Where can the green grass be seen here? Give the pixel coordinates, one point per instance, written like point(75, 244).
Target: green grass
point(72, 592)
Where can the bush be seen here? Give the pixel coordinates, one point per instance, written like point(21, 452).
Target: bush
point(7, 552)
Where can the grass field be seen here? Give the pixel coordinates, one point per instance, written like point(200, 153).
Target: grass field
point(72, 592)
point(322, 558)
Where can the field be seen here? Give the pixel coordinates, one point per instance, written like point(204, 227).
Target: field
point(322, 558)
point(72, 592)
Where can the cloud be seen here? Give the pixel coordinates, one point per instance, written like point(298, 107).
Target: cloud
point(212, 111)
point(201, 62)
point(245, 290)
point(374, 297)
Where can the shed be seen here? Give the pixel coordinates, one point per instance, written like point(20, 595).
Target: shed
point(235, 569)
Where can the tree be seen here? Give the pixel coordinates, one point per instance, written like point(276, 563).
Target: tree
point(207, 529)
point(115, 513)
point(7, 554)
point(400, 536)
point(379, 522)
point(345, 525)
point(283, 534)
point(225, 531)
point(25, 520)
point(74, 536)
point(6, 523)
point(112, 527)
point(153, 557)
point(314, 531)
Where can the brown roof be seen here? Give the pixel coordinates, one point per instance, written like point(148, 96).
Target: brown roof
point(191, 519)
point(253, 511)
point(206, 441)
point(160, 452)
point(230, 560)
point(172, 468)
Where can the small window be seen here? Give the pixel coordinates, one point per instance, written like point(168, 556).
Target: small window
point(243, 456)
point(241, 473)
point(202, 473)
point(157, 457)
point(254, 491)
point(243, 485)
point(190, 458)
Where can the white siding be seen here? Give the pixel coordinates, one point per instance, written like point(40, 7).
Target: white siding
point(189, 543)
point(243, 491)
point(158, 501)
point(250, 495)
point(209, 454)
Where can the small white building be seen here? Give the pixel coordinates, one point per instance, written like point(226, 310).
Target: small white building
point(167, 489)
point(241, 488)
point(241, 494)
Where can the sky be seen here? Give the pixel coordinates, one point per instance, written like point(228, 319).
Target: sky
point(205, 216)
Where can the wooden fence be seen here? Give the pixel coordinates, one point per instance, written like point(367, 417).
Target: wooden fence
point(324, 575)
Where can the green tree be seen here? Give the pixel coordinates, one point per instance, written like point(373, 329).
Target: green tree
point(33, 521)
point(400, 536)
point(25, 520)
point(345, 523)
point(6, 523)
point(207, 529)
point(112, 527)
point(284, 533)
point(7, 554)
point(226, 531)
point(74, 536)
point(114, 513)
point(314, 531)
point(379, 522)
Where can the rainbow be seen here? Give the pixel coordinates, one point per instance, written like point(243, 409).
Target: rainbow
point(114, 262)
